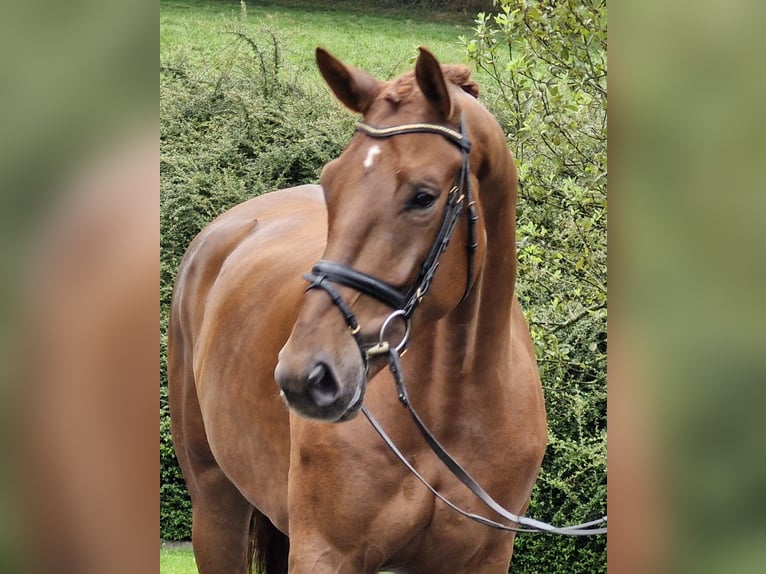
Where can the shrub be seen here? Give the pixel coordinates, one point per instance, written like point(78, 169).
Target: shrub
point(547, 65)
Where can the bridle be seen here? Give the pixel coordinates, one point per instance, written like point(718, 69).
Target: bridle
point(326, 273)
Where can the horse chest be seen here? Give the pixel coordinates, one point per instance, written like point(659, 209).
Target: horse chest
point(353, 496)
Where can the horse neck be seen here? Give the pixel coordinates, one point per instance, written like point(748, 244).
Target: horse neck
point(474, 337)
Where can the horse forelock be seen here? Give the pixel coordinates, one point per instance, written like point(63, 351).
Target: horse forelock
point(403, 88)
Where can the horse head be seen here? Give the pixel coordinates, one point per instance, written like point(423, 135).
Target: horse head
point(399, 207)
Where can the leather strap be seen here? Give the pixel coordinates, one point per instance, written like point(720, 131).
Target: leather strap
point(457, 137)
point(584, 529)
point(320, 281)
point(367, 284)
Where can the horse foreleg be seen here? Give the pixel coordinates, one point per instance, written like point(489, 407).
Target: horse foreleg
point(220, 525)
point(221, 516)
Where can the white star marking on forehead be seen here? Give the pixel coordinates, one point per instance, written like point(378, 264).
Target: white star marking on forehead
point(370, 159)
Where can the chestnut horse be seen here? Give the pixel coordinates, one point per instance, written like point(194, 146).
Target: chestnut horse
point(260, 367)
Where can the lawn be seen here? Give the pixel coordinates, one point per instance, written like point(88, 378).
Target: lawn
point(382, 41)
point(177, 561)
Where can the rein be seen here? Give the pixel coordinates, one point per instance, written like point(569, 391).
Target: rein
point(532, 525)
point(325, 273)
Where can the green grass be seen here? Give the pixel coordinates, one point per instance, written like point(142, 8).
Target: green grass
point(177, 561)
point(382, 41)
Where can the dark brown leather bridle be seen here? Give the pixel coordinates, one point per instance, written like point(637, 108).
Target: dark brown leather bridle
point(326, 273)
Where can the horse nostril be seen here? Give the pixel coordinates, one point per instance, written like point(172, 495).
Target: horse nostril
point(322, 386)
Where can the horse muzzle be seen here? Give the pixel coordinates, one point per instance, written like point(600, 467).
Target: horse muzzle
point(318, 390)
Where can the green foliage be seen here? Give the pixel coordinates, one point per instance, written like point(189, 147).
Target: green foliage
point(234, 132)
point(547, 63)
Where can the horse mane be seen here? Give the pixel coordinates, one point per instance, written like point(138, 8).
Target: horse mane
point(402, 88)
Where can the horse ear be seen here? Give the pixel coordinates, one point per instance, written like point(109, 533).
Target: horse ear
point(460, 75)
point(355, 88)
point(431, 80)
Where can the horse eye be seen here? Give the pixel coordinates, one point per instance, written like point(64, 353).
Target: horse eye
point(422, 200)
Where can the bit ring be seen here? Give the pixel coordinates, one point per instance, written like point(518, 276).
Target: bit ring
point(408, 328)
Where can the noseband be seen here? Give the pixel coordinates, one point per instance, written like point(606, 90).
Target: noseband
point(325, 273)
